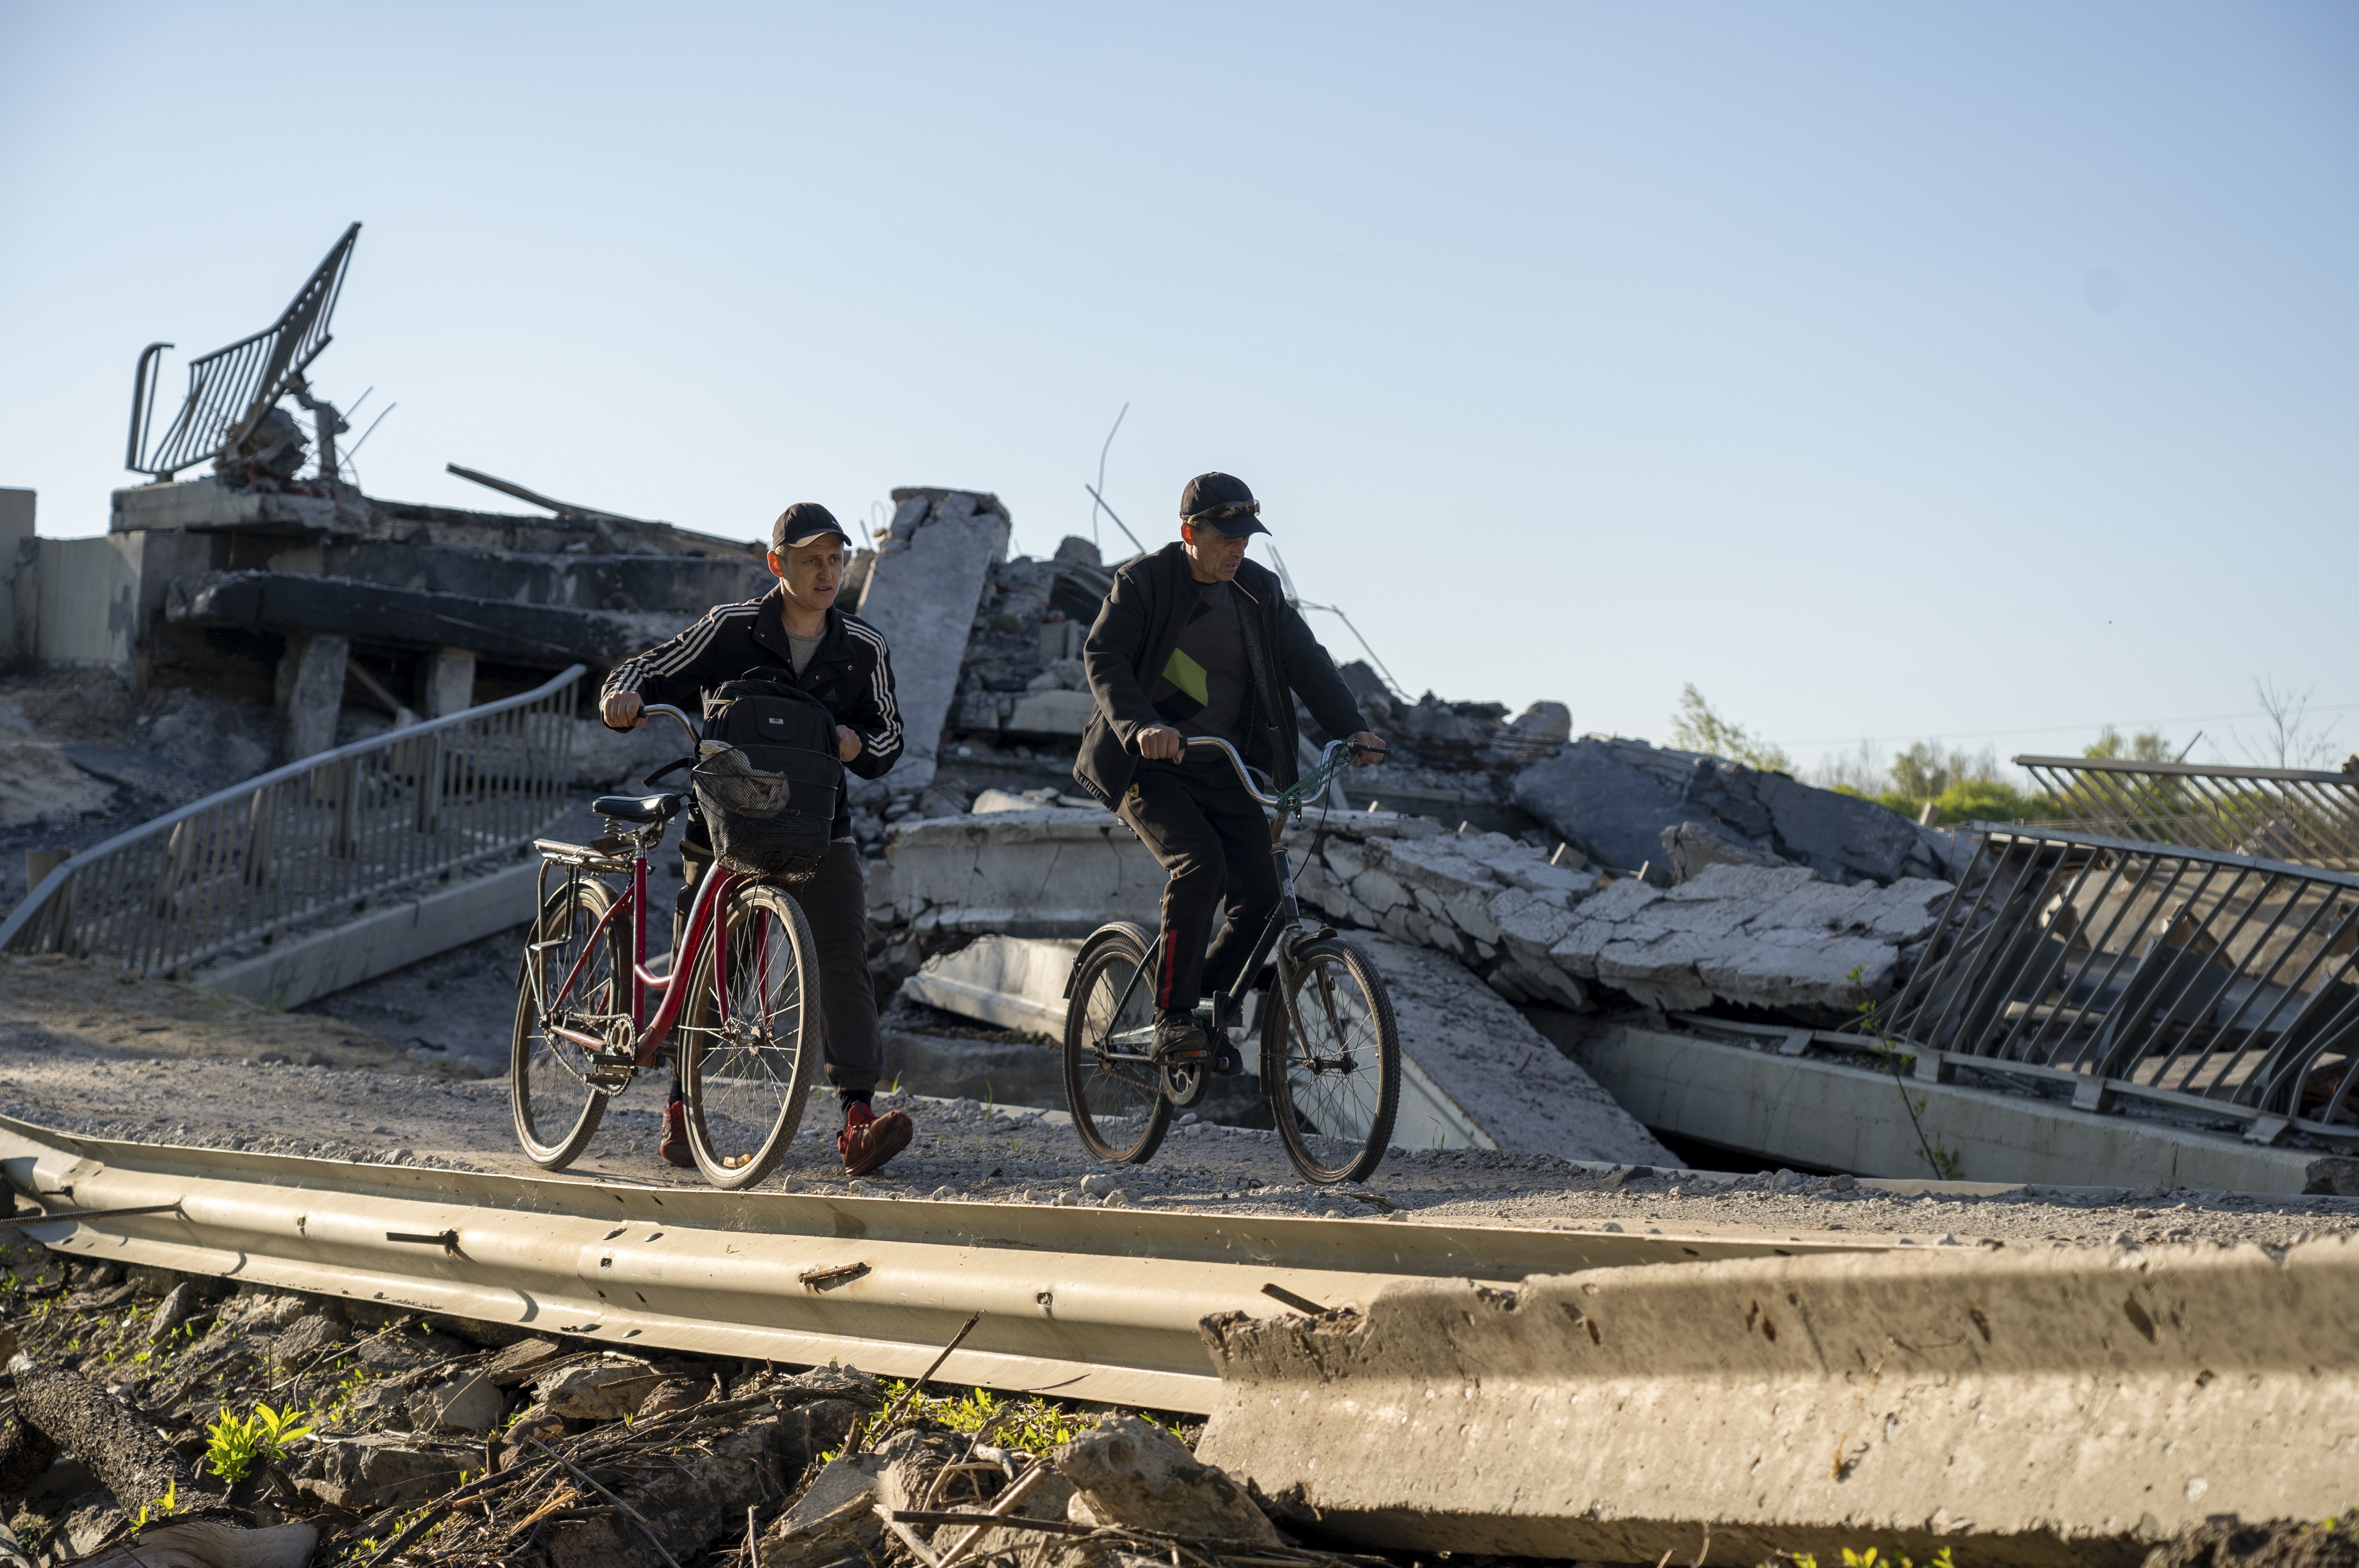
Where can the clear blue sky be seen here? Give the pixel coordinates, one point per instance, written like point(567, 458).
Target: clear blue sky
point(1885, 371)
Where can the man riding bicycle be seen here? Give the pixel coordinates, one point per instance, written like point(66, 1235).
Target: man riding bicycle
point(1196, 640)
point(796, 633)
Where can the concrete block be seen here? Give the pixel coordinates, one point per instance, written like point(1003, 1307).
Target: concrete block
point(310, 693)
point(1053, 871)
point(18, 607)
point(1054, 713)
point(449, 681)
point(921, 594)
point(1838, 1116)
point(1007, 981)
point(2026, 1406)
point(86, 617)
point(302, 966)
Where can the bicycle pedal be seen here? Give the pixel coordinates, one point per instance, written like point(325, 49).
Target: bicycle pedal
point(1227, 1059)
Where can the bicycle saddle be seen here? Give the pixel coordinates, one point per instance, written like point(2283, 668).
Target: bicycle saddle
point(658, 807)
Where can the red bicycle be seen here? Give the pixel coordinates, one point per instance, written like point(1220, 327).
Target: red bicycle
point(735, 1026)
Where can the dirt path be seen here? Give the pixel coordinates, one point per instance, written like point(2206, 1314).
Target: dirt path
point(84, 1050)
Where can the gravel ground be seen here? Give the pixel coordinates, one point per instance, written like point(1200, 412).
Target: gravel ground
point(210, 1085)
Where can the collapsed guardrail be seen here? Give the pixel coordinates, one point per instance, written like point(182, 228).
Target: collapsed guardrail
point(315, 838)
point(2279, 814)
point(2207, 982)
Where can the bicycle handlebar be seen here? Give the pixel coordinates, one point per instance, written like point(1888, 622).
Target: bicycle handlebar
point(674, 714)
point(1332, 761)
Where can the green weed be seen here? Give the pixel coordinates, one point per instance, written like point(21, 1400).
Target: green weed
point(233, 1444)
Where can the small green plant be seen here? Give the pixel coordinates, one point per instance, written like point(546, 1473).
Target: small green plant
point(233, 1443)
point(1871, 1558)
point(163, 1507)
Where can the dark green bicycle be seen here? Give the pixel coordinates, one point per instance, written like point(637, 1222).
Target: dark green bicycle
point(1330, 1049)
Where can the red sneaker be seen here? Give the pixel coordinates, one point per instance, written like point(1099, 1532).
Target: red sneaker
point(868, 1140)
point(673, 1144)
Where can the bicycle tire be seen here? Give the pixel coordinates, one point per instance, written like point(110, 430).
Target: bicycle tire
point(1334, 1109)
point(1118, 1108)
point(555, 1106)
point(745, 1083)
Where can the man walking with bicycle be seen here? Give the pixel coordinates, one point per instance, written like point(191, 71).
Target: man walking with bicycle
point(796, 633)
point(1195, 640)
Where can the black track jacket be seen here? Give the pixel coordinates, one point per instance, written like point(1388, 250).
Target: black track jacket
point(1138, 627)
point(851, 673)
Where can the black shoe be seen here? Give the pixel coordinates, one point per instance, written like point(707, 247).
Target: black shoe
point(1180, 1040)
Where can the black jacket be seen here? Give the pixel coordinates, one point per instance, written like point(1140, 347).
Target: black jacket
point(851, 673)
point(1138, 627)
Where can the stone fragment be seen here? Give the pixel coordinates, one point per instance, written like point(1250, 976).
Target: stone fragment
point(522, 1362)
point(1136, 1473)
point(469, 1403)
point(835, 1518)
point(1689, 847)
point(180, 1307)
point(686, 1508)
point(307, 1337)
point(373, 1471)
point(211, 1543)
point(922, 592)
point(604, 1390)
point(673, 1394)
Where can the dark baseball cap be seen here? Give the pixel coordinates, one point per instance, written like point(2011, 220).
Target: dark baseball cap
point(1223, 503)
point(803, 522)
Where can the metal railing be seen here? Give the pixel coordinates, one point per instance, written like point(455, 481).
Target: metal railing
point(231, 388)
point(316, 840)
point(2204, 981)
point(2277, 813)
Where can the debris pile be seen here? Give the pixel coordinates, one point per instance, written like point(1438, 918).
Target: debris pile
point(158, 1418)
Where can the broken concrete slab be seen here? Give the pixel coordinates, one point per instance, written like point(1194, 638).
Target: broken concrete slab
point(1007, 982)
point(1051, 871)
point(373, 1471)
point(1506, 1078)
point(310, 693)
point(1613, 798)
point(1770, 936)
point(922, 593)
point(2018, 1407)
point(495, 628)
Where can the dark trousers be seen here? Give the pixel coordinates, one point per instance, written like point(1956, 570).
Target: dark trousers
point(1214, 840)
point(835, 902)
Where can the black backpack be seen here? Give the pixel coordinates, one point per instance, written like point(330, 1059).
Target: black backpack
point(768, 801)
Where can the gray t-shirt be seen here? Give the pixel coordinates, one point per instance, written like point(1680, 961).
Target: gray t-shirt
point(1201, 691)
point(803, 647)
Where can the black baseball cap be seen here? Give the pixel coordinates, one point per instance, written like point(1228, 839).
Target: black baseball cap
point(1223, 503)
point(803, 522)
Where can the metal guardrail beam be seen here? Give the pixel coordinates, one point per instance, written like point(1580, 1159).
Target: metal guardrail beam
point(313, 840)
point(1081, 1303)
point(2218, 984)
point(2279, 814)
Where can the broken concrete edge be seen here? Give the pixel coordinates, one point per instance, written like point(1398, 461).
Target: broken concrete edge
point(2032, 1407)
point(306, 967)
point(1831, 1116)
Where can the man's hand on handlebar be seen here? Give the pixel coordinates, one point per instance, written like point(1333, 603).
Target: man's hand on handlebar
point(1160, 742)
point(1368, 750)
point(621, 710)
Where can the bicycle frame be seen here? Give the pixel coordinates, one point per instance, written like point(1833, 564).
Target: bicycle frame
point(648, 1036)
point(1287, 912)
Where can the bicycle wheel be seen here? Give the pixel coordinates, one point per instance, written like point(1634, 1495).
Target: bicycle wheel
point(750, 1046)
point(1334, 1087)
point(1115, 1093)
point(557, 1105)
